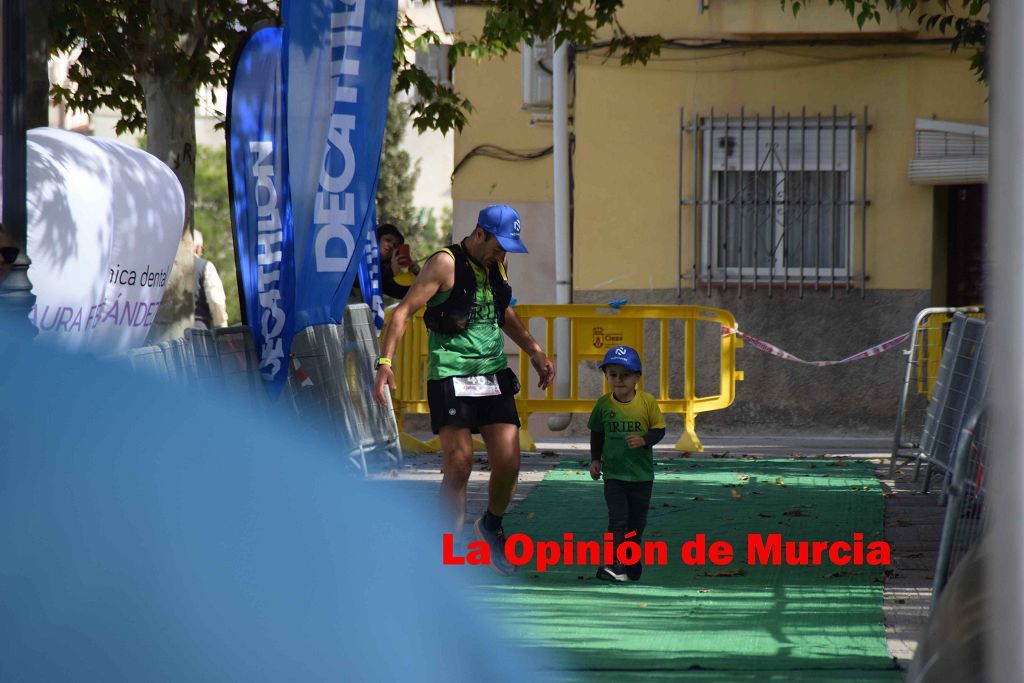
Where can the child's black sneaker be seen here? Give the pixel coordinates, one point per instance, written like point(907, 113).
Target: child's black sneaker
point(496, 541)
point(612, 572)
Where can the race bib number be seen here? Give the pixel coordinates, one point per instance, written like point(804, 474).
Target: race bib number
point(477, 385)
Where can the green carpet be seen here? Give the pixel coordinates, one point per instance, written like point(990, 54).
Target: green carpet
point(756, 622)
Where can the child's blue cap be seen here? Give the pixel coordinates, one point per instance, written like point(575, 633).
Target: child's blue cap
point(503, 222)
point(625, 356)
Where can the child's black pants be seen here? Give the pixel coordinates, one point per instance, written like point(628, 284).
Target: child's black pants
point(628, 502)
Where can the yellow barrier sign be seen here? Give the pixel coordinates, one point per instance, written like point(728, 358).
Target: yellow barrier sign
point(594, 336)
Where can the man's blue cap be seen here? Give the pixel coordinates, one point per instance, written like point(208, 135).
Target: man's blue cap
point(625, 356)
point(502, 221)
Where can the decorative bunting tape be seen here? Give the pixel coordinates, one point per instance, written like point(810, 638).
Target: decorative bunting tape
point(785, 355)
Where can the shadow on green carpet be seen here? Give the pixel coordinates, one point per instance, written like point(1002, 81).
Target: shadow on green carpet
point(825, 620)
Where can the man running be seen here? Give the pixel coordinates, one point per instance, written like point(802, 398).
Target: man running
point(470, 387)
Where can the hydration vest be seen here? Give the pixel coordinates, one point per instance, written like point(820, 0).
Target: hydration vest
point(452, 316)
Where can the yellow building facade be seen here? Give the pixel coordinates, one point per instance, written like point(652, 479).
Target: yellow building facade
point(756, 147)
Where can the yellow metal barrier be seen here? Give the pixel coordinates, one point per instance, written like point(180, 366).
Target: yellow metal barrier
point(927, 350)
point(593, 330)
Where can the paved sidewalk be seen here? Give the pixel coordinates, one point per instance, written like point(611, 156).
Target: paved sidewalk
point(912, 521)
point(913, 527)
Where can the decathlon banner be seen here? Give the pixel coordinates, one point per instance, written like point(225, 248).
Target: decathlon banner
point(369, 275)
point(261, 210)
point(338, 65)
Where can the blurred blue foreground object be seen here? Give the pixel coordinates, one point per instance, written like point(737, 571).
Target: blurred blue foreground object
point(152, 534)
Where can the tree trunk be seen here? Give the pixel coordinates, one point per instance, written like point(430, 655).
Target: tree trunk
point(171, 137)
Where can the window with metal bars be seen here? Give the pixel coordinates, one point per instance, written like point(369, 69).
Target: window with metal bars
point(774, 198)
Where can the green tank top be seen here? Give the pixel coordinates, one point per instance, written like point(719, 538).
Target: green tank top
point(480, 349)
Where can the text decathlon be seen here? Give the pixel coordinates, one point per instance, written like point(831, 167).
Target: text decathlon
point(268, 257)
point(334, 213)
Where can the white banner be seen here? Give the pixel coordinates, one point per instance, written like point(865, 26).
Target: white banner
point(104, 222)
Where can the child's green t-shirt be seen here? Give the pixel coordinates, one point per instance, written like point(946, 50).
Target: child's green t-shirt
point(618, 420)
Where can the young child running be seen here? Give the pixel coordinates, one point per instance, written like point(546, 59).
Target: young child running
point(624, 427)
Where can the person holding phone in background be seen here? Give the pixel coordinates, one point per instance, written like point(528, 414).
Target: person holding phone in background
point(395, 261)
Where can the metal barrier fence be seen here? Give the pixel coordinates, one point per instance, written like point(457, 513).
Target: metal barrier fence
point(148, 360)
point(592, 330)
point(179, 357)
point(966, 514)
point(331, 379)
point(225, 357)
point(928, 337)
point(960, 388)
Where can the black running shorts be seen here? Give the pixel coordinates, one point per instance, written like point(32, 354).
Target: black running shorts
point(448, 409)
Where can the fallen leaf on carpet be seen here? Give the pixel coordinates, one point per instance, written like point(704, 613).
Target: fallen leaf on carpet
point(737, 572)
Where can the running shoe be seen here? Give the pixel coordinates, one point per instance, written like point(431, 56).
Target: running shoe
point(496, 541)
point(634, 571)
point(612, 572)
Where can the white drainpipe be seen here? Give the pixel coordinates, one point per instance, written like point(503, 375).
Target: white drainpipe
point(563, 283)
